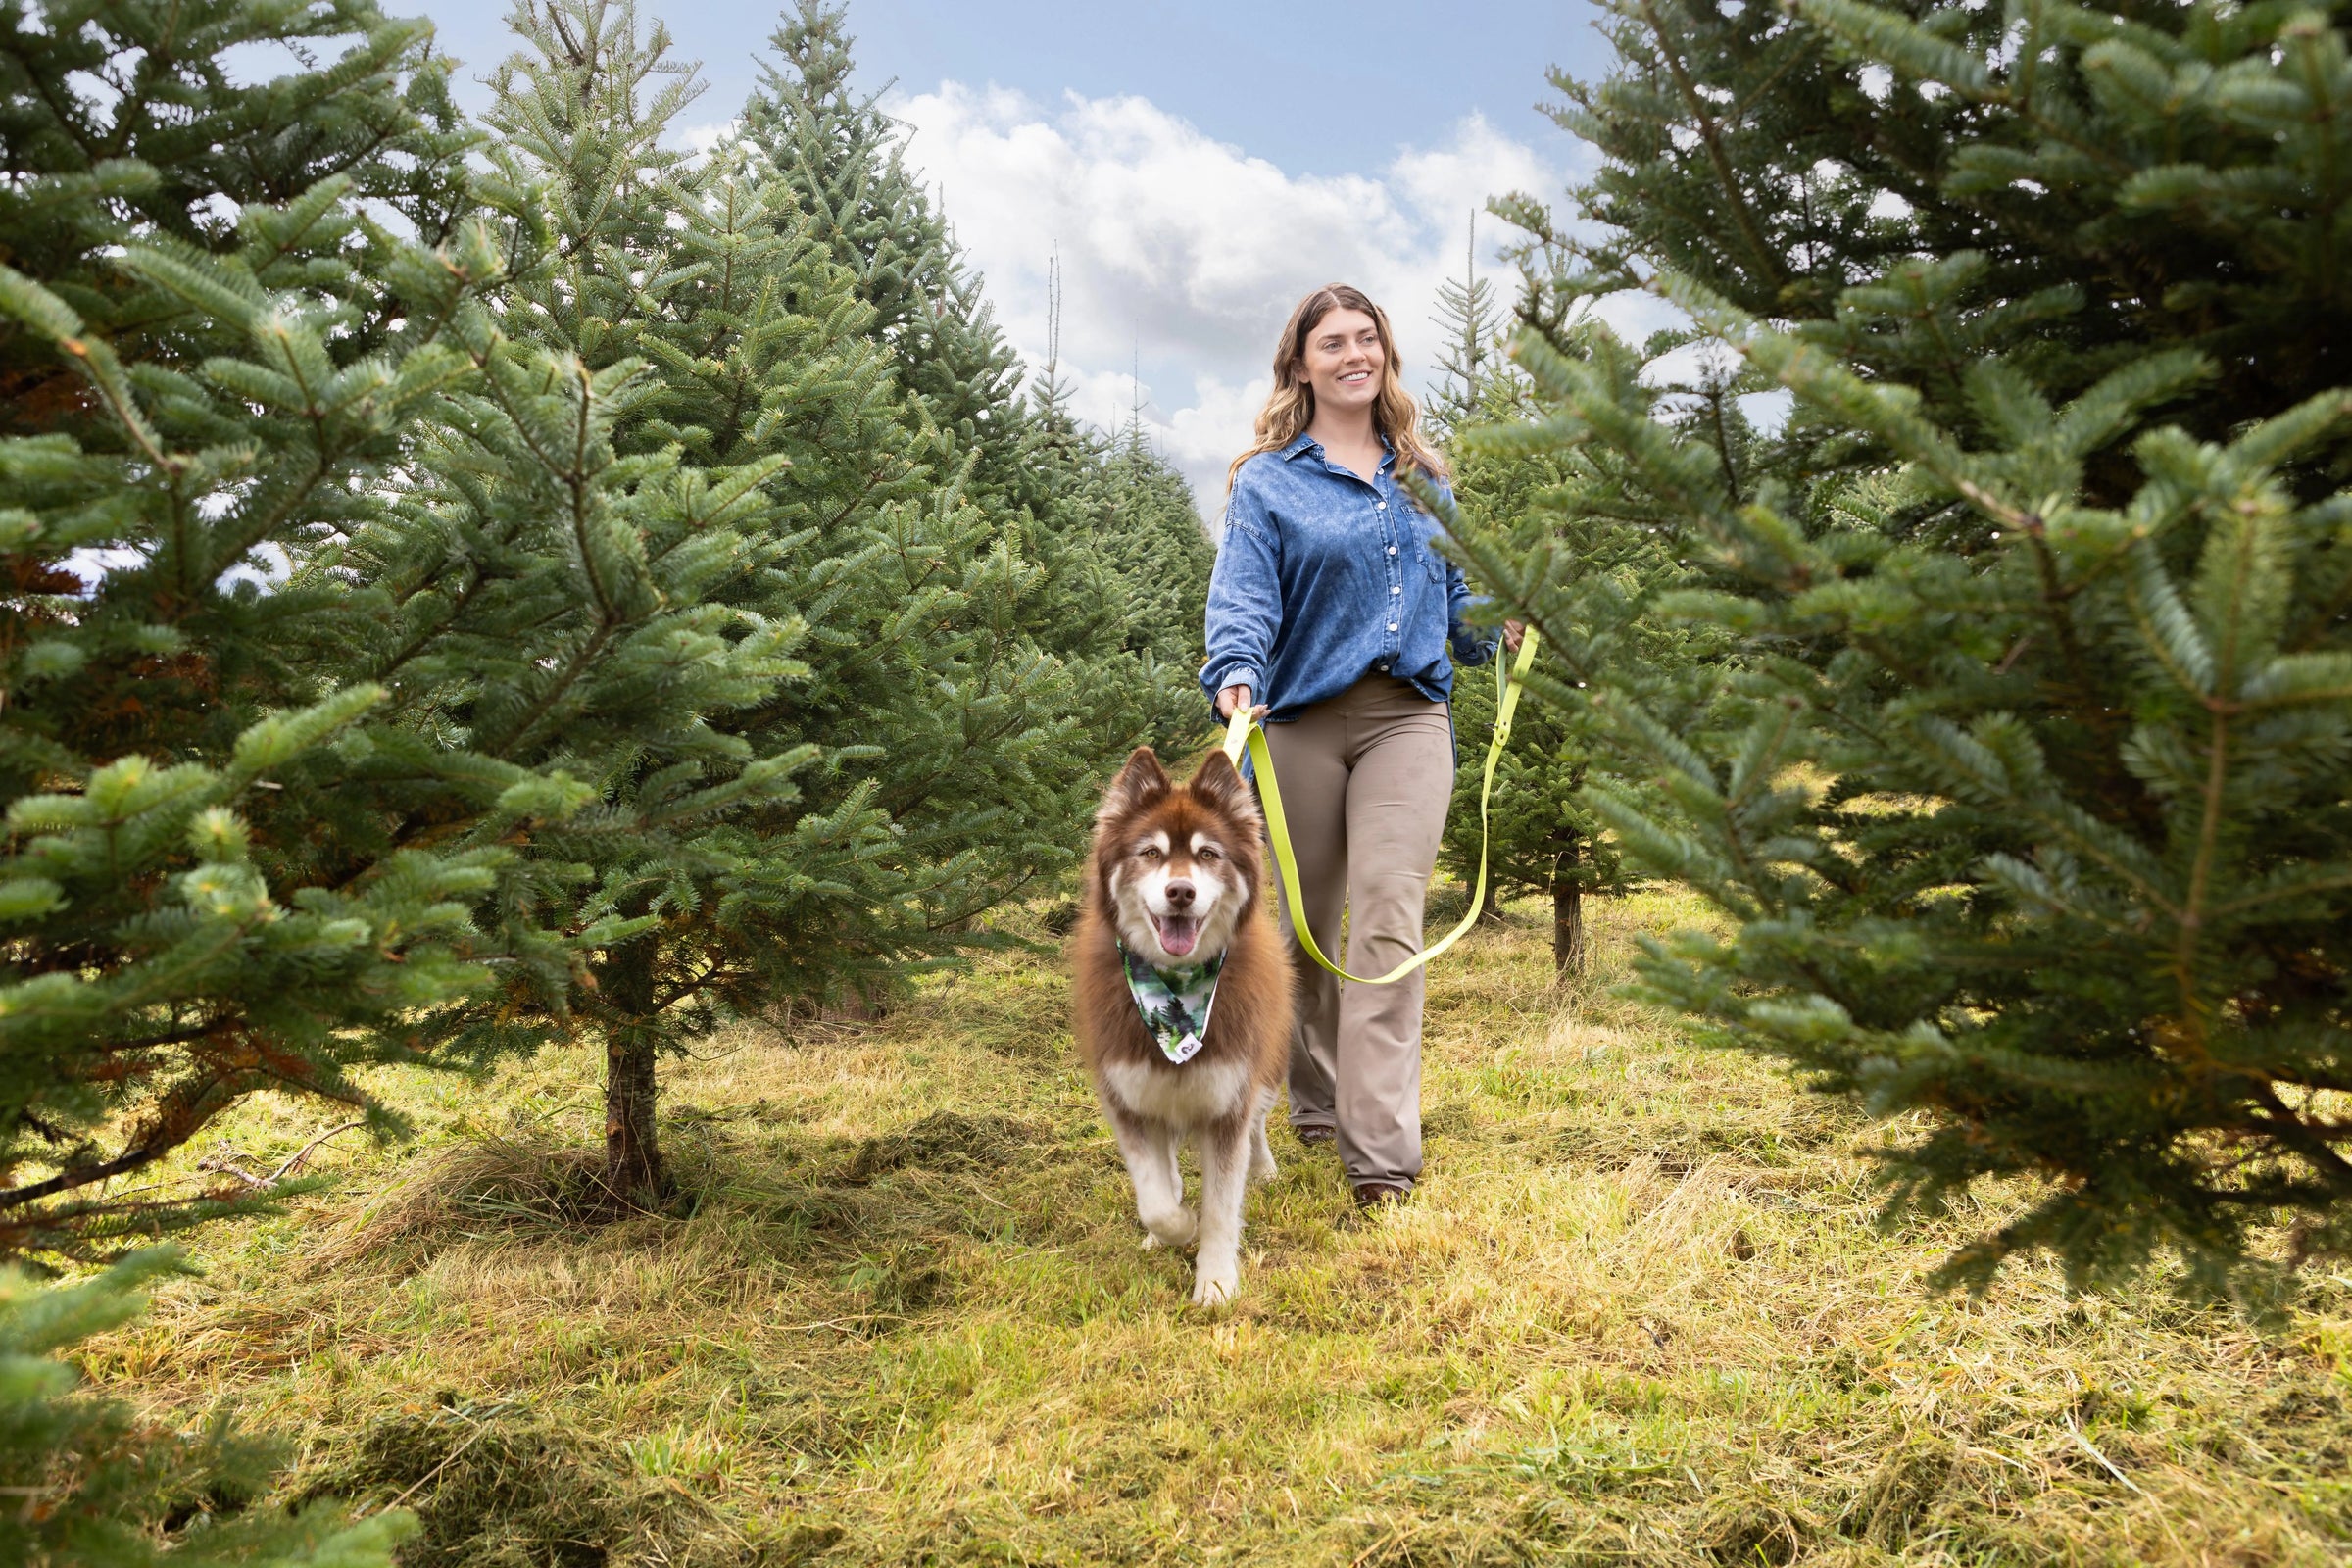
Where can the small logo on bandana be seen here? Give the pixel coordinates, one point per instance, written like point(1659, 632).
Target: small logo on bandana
point(1174, 1002)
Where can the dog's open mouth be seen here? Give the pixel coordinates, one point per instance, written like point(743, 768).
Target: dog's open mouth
point(1179, 934)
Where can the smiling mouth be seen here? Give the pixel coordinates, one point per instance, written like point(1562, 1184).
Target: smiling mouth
point(1179, 934)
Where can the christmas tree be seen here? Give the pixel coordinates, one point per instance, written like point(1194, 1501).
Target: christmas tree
point(1602, 567)
point(894, 755)
point(1469, 324)
point(1141, 512)
point(844, 161)
point(2022, 797)
point(1054, 492)
point(222, 341)
point(1126, 563)
point(1062, 462)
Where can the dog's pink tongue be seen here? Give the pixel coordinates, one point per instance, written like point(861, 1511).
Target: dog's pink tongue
point(1178, 933)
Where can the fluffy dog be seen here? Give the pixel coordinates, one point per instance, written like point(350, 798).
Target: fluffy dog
point(1176, 887)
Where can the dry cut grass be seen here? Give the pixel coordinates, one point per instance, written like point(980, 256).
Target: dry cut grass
point(1637, 1312)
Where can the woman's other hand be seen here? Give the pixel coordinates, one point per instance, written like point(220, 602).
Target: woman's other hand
point(1514, 632)
point(1233, 697)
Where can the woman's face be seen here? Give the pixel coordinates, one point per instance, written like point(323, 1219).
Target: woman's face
point(1343, 360)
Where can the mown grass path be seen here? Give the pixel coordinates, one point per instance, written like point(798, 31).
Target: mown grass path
point(1637, 1312)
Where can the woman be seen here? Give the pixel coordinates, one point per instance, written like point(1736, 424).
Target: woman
point(1331, 610)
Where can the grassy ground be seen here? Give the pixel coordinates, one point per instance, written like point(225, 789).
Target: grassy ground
point(1637, 1312)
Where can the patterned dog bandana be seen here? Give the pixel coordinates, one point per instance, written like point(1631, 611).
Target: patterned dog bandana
point(1174, 1002)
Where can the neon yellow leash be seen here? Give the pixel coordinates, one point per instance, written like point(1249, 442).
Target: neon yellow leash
point(1247, 731)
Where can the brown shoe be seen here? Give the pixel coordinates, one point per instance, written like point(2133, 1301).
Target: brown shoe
point(1315, 1134)
point(1380, 1195)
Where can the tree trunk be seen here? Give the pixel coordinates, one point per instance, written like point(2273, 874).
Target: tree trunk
point(1567, 912)
point(633, 1170)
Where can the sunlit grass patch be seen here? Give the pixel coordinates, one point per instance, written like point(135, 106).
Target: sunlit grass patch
point(1639, 1309)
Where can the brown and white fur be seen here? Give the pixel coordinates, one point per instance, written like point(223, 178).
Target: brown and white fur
point(1177, 873)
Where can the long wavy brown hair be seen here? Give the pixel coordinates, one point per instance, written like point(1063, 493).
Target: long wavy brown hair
point(1291, 406)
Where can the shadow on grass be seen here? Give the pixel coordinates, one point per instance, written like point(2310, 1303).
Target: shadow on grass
point(492, 1489)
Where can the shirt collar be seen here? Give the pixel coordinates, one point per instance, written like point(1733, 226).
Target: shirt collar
point(1308, 443)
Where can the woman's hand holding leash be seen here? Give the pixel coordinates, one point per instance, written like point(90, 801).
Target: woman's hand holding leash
point(1514, 632)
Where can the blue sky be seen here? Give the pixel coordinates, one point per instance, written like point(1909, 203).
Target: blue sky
point(1196, 166)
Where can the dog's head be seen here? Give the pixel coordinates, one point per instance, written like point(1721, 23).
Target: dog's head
point(1176, 865)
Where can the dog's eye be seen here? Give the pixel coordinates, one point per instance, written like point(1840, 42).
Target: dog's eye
point(1150, 852)
point(1208, 852)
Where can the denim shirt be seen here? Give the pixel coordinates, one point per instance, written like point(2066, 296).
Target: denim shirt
point(1324, 579)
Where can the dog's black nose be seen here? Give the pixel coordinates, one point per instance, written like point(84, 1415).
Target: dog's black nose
point(1179, 895)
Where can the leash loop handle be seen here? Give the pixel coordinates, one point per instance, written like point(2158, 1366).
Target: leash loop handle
point(1246, 732)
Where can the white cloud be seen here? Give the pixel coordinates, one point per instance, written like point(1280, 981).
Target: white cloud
point(1480, 160)
point(1185, 253)
point(702, 140)
point(1203, 439)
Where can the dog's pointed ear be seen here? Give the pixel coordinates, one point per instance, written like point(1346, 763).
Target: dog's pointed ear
point(1141, 782)
point(1217, 782)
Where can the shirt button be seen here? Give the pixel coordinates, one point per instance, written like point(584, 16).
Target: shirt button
point(1392, 626)
point(1391, 549)
point(1396, 590)
point(1380, 506)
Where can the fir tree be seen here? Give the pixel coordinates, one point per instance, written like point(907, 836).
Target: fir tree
point(90, 1486)
point(1156, 558)
point(896, 757)
point(844, 161)
point(129, 124)
point(2022, 798)
point(1469, 321)
point(1598, 563)
point(1064, 460)
point(1778, 164)
point(1535, 835)
point(1134, 583)
point(1143, 514)
point(1567, 504)
point(217, 362)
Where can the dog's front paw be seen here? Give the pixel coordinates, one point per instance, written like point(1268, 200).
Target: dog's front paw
point(1175, 1228)
point(1215, 1283)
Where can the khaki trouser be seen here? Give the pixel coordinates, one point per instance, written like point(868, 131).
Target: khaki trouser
point(1366, 778)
